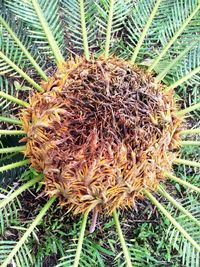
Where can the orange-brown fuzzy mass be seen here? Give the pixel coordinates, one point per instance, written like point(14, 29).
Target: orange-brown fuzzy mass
point(101, 132)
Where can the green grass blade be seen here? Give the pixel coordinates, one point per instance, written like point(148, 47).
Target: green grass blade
point(52, 42)
point(12, 149)
point(10, 120)
point(109, 27)
point(174, 38)
point(21, 72)
point(14, 165)
point(178, 205)
point(121, 238)
point(14, 99)
point(172, 220)
point(28, 232)
point(84, 30)
point(23, 48)
point(145, 30)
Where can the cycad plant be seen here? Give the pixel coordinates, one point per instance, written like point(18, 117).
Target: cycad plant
point(99, 95)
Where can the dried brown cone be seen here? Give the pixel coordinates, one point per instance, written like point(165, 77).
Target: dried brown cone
point(102, 131)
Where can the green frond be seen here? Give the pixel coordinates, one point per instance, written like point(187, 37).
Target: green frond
point(84, 30)
point(22, 188)
point(22, 258)
point(12, 132)
point(9, 48)
point(11, 149)
point(144, 32)
point(8, 214)
point(7, 178)
point(14, 165)
point(14, 99)
point(109, 27)
point(178, 226)
point(80, 241)
point(175, 25)
point(140, 24)
point(182, 182)
point(187, 162)
point(190, 143)
point(9, 65)
point(185, 78)
point(190, 131)
point(122, 241)
point(10, 120)
point(10, 204)
point(26, 43)
point(178, 205)
point(110, 19)
point(28, 232)
point(175, 63)
point(44, 27)
point(8, 88)
point(189, 109)
point(190, 256)
point(90, 254)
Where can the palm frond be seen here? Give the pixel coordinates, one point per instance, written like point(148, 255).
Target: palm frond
point(12, 132)
point(14, 165)
point(11, 51)
point(10, 120)
point(79, 15)
point(13, 99)
point(8, 88)
point(187, 162)
point(11, 149)
point(80, 240)
point(172, 21)
point(10, 204)
point(177, 62)
point(134, 28)
point(190, 143)
point(176, 25)
point(145, 30)
point(182, 182)
point(110, 18)
point(22, 258)
point(23, 41)
point(122, 241)
point(9, 176)
point(190, 131)
point(8, 214)
point(190, 256)
point(8, 65)
point(16, 249)
point(44, 27)
point(90, 255)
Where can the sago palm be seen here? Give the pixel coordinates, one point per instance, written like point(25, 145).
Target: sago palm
point(91, 90)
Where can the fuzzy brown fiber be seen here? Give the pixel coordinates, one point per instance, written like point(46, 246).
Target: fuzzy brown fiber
point(101, 132)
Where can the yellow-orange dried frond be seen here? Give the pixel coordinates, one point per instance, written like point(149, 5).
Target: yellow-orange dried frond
point(101, 132)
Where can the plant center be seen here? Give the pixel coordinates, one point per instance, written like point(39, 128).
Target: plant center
point(101, 132)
